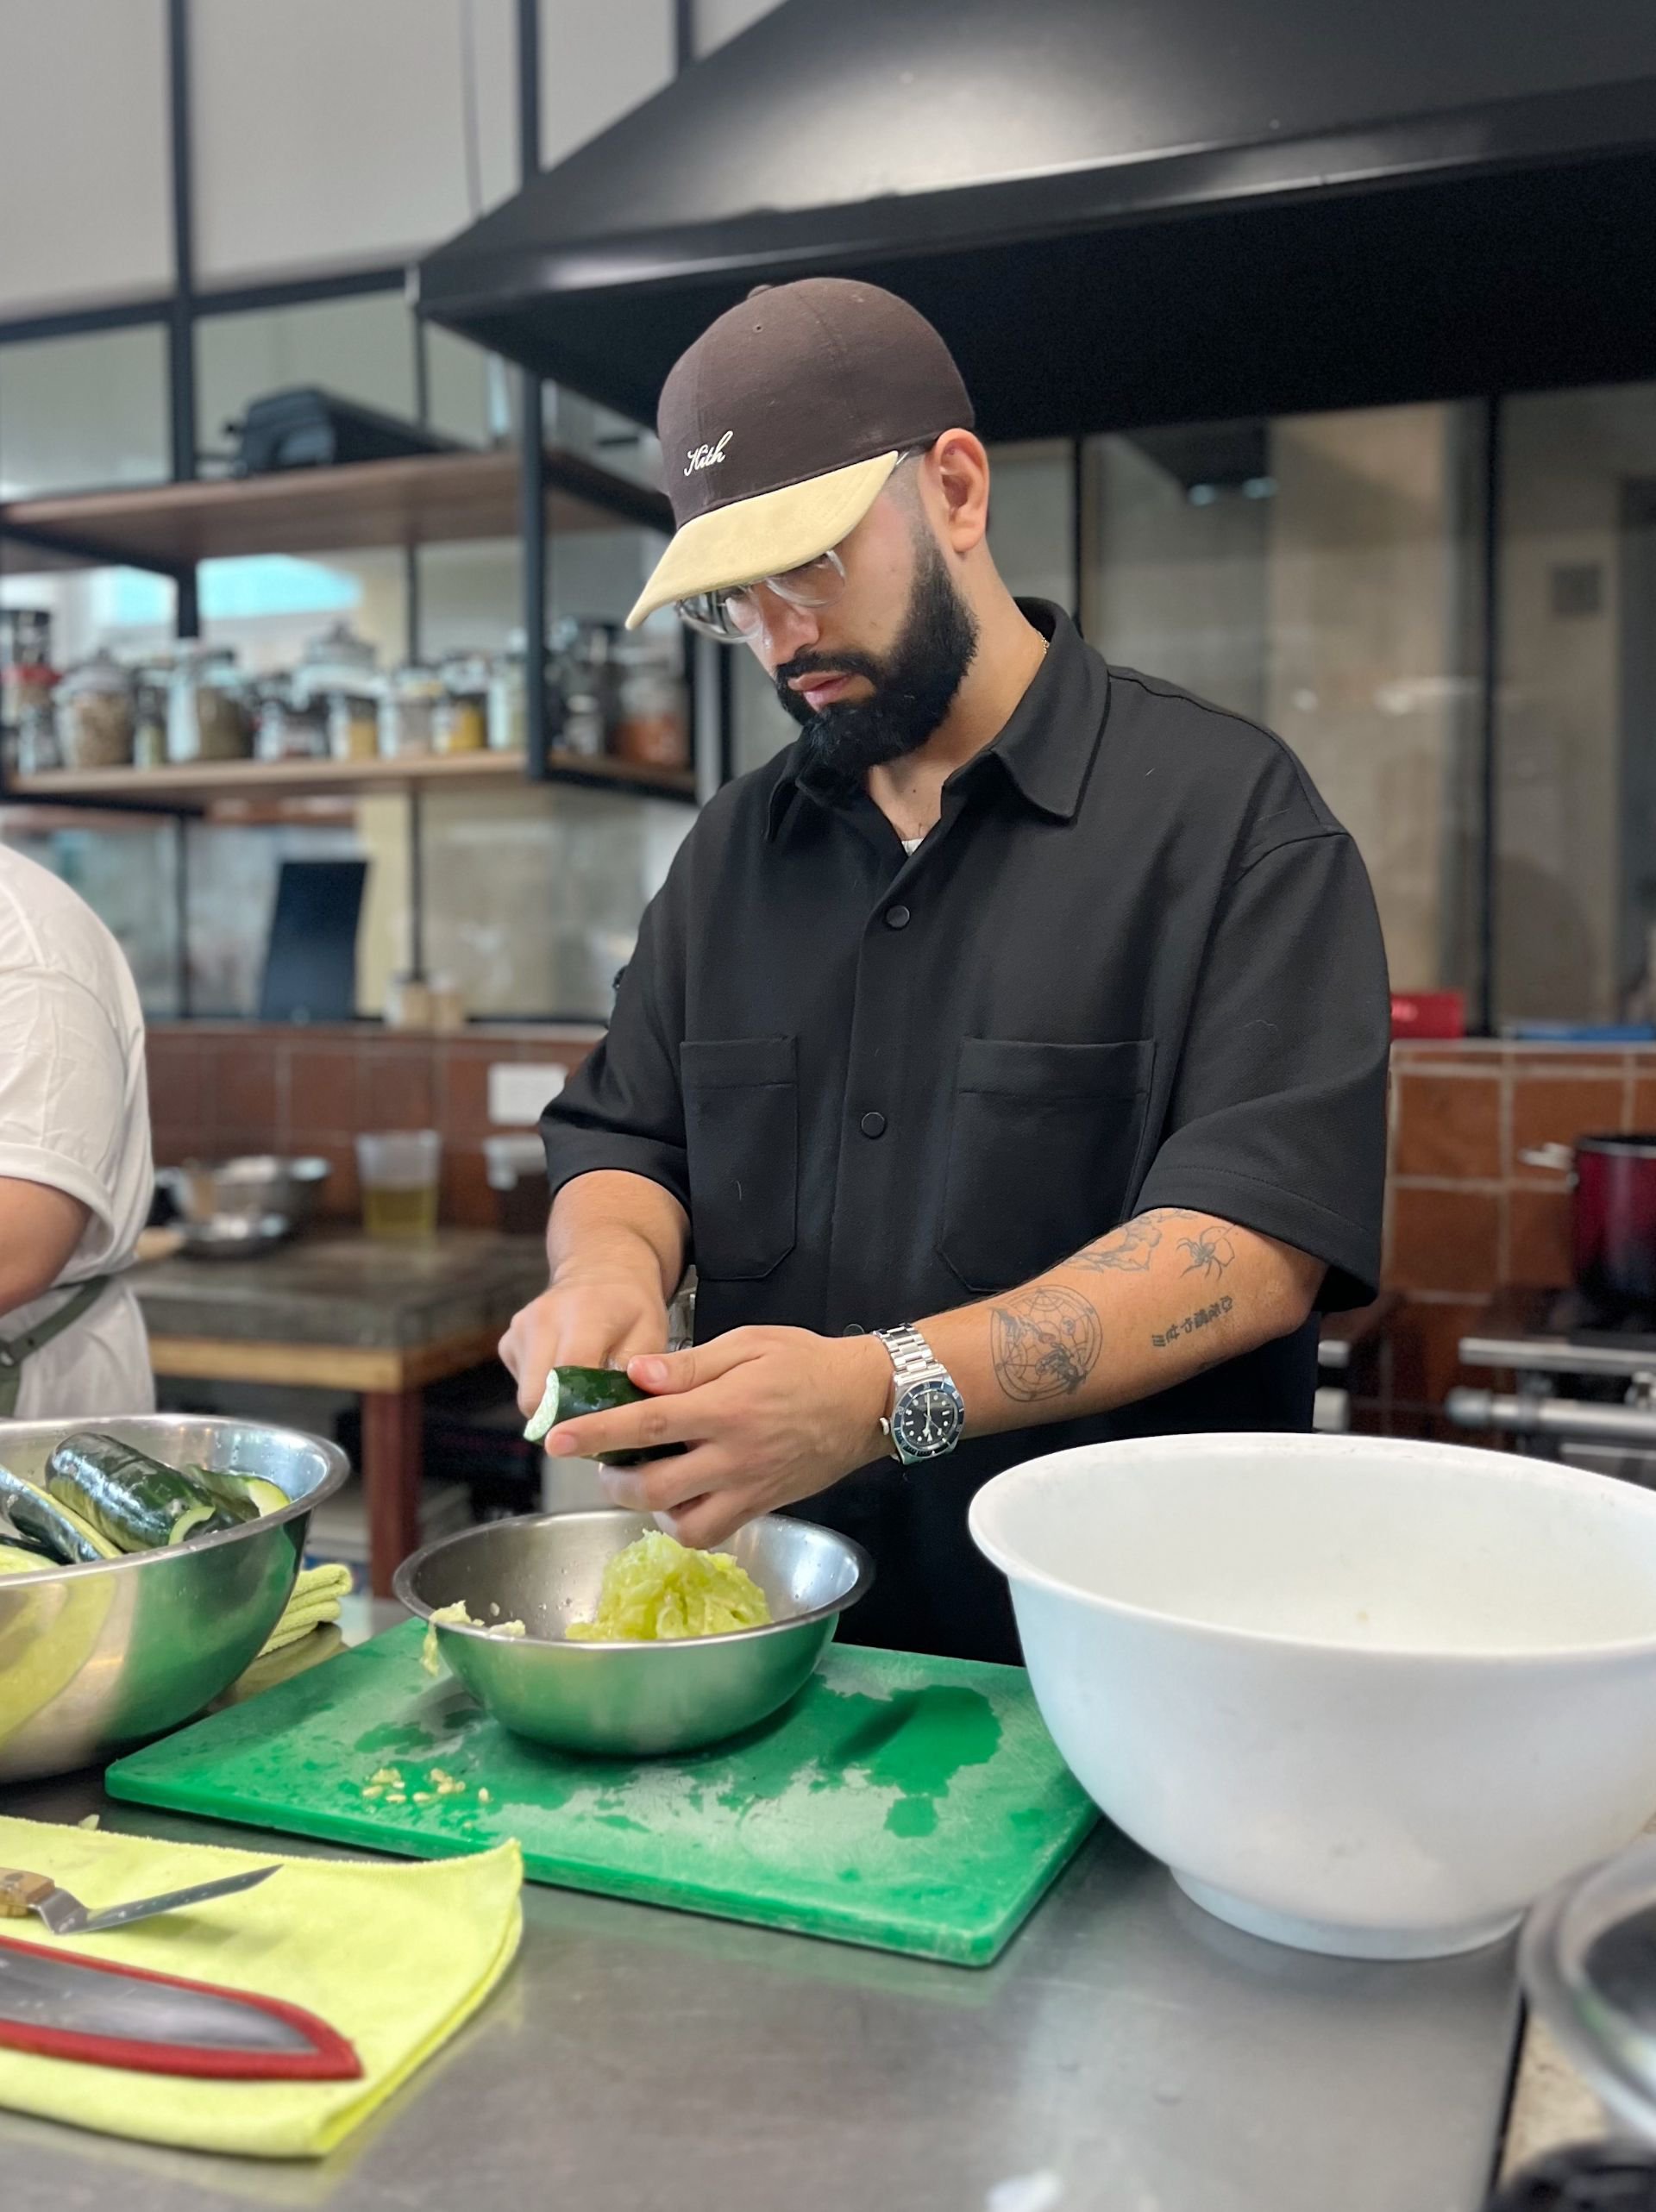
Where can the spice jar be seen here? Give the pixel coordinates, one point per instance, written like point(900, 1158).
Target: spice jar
point(26, 672)
point(94, 714)
point(149, 714)
point(290, 729)
point(339, 674)
point(208, 716)
point(408, 710)
point(508, 707)
point(459, 723)
point(652, 725)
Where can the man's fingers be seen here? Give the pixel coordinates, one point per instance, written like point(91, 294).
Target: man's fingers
point(705, 1523)
point(645, 1425)
point(696, 1365)
point(663, 1485)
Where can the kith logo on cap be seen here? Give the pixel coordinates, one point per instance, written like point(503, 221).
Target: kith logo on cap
point(708, 457)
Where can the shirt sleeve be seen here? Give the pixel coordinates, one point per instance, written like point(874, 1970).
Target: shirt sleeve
point(623, 1108)
point(63, 1096)
point(1277, 1120)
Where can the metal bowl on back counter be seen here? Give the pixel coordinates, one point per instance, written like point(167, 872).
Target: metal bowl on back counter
point(627, 1701)
point(98, 1658)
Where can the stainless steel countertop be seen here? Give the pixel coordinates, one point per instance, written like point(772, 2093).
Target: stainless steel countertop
point(1142, 2055)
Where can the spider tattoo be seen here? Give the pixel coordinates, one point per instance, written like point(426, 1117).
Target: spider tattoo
point(1210, 1253)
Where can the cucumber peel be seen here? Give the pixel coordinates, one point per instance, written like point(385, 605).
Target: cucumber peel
point(46, 1523)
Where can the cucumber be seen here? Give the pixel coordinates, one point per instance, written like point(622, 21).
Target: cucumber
point(23, 1559)
point(572, 1391)
point(133, 1501)
point(245, 1497)
point(42, 1521)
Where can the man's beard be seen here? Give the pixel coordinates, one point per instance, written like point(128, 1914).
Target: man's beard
point(913, 685)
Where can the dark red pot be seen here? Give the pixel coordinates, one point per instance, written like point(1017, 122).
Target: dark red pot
point(1615, 1221)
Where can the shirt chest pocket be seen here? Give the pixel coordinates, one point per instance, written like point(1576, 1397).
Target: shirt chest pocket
point(1044, 1146)
point(742, 1138)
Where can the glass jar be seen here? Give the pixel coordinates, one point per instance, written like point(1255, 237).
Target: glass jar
point(208, 716)
point(37, 740)
point(290, 729)
point(408, 710)
point(149, 714)
point(459, 723)
point(339, 674)
point(508, 709)
point(652, 723)
point(94, 714)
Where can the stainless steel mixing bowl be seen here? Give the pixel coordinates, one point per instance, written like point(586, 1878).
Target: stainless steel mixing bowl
point(627, 1700)
point(95, 1659)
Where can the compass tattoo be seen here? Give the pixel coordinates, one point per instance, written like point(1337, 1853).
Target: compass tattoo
point(1045, 1343)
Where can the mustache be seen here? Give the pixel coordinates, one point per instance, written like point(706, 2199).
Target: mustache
point(827, 664)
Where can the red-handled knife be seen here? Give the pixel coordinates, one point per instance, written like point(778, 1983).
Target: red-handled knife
point(64, 2006)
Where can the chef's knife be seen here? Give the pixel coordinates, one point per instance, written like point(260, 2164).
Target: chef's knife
point(62, 2005)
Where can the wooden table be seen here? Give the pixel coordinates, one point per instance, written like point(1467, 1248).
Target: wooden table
point(348, 1313)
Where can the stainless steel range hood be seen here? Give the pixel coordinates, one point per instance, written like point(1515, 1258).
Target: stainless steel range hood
point(1118, 211)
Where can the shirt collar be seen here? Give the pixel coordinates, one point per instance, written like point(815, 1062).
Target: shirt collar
point(1045, 750)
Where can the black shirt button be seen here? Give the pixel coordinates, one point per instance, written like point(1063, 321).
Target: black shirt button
point(872, 1124)
point(896, 918)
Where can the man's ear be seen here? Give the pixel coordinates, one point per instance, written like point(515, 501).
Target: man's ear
point(959, 469)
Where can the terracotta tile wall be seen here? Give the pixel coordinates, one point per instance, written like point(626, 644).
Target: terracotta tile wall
point(1465, 1214)
point(217, 1088)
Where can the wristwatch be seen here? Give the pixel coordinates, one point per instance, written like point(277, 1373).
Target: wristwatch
point(927, 1413)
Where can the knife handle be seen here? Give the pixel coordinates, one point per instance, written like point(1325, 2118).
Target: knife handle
point(20, 1892)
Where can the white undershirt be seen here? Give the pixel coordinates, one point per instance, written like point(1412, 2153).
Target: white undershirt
point(912, 844)
point(74, 1114)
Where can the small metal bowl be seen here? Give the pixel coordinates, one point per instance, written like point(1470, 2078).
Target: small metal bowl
point(95, 1660)
point(621, 1700)
point(236, 1236)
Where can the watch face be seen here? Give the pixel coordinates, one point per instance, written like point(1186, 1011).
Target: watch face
point(927, 1419)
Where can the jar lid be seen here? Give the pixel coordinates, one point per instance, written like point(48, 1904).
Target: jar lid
point(1587, 1961)
point(414, 681)
point(466, 672)
point(101, 673)
point(339, 647)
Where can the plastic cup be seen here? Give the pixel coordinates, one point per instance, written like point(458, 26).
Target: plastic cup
point(398, 1172)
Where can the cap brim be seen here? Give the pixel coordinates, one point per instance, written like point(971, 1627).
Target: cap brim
point(765, 536)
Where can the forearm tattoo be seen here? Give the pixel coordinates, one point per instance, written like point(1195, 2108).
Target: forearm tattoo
point(1044, 1342)
point(1168, 1339)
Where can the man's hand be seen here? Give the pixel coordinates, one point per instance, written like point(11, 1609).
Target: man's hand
point(584, 1320)
point(769, 1416)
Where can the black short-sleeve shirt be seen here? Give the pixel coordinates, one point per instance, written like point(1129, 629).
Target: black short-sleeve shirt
point(1136, 963)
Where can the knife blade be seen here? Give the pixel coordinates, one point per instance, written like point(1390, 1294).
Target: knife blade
point(94, 2012)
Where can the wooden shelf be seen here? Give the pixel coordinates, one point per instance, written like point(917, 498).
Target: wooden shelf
point(430, 500)
point(213, 782)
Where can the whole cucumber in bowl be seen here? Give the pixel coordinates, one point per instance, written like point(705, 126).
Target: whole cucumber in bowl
point(133, 1501)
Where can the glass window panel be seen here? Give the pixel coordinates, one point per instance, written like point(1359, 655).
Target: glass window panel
point(1319, 573)
point(128, 875)
point(84, 177)
point(80, 414)
point(1575, 707)
point(328, 135)
point(361, 349)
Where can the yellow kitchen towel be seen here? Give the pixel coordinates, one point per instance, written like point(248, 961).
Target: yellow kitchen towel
point(314, 1598)
point(279, 1662)
point(394, 1958)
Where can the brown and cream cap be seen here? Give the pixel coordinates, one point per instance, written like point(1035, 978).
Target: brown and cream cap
point(780, 426)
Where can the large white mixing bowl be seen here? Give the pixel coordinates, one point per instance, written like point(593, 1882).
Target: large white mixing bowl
point(1363, 1695)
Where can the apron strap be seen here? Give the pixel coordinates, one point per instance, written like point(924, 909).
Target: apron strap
point(14, 1350)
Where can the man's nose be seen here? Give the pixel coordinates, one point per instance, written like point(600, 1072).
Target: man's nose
point(783, 629)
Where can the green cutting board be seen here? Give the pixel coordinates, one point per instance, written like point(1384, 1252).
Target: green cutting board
point(914, 1804)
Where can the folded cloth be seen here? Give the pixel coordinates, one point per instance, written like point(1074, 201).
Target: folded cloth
point(315, 1597)
point(394, 1958)
point(281, 1662)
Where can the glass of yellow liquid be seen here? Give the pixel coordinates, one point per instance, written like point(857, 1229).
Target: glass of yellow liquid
point(398, 1171)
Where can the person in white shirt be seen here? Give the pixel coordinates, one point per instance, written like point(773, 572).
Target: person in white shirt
point(76, 1176)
